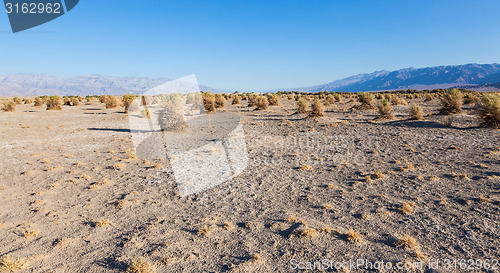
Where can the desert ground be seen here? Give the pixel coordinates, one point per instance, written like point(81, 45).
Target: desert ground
point(75, 197)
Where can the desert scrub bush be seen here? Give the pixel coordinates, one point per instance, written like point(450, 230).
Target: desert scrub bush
point(302, 104)
point(488, 110)
point(209, 102)
point(262, 103)
point(27, 101)
point(17, 100)
point(416, 113)
point(9, 106)
point(236, 99)
point(407, 242)
point(127, 101)
point(398, 101)
point(139, 265)
point(366, 100)
point(273, 99)
point(111, 102)
point(54, 103)
point(353, 236)
point(171, 117)
point(203, 231)
point(38, 101)
point(451, 102)
point(329, 99)
point(220, 101)
point(252, 100)
point(7, 263)
point(75, 101)
point(385, 109)
point(469, 98)
point(429, 97)
point(317, 109)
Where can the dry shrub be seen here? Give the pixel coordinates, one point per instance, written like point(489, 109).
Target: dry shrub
point(385, 109)
point(451, 102)
point(75, 101)
point(139, 265)
point(27, 101)
point(220, 101)
point(470, 98)
point(111, 102)
point(416, 112)
point(171, 117)
point(54, 103)
point(17, 100)
point(329, 99)
point(209, 102)
point(203, 231)
point(262, 103)
point(398, 101)
point(302, 106)
point(273, 100)
point(429, 97)
point(38, 101)
point(407, 208)
point(252, 100)
point(7, 263)
point(127, 101)
point(317, 109)
point(407, 242)
point(9, 106)
point(353, 236)
point(236, 99)
point(489, 111)
point(366, 100)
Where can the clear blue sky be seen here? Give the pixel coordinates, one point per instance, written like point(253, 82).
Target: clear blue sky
point(252, 45)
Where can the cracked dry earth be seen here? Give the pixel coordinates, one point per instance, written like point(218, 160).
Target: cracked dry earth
point(75, 198)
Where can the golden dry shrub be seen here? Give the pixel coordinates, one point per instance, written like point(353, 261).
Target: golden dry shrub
point(17, 100)
point(488, 110)
point(302, 104)
point(385, 109)
point(262, 103)
point(139, 265)
point(451, 102)
point(75, 101)
point(54, 103)
point(398, 101)
point(209, 102)
point(220, 101)
point(236, 99)
point(273, 100)
point(27, 101)
point(111, 102)
point(9, 106)
point(317, 109)
point(127, 101)
point(38, 101)
point(171, 117)
point(329, 99)
point(429, 97)
point(416, 113)
point(470, 98)
point(366, 99)
point(252, 100)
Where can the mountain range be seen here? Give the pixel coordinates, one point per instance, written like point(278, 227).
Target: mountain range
point(485, 77)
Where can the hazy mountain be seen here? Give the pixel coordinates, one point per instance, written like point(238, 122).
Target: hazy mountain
point(415, 78)
point(40, 84)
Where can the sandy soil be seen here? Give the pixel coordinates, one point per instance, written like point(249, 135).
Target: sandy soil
point(74, 198)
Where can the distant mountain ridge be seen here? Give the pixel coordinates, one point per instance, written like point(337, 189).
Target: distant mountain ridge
point(483, 77)
point(40, 84)
point(415, 78)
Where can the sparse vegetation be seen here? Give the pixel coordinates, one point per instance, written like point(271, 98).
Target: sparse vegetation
point(262, 103)
point(385, 109)
point(407, 242)
point(407, 208)
point(353, 236)
point(317, 109)
point(203, 231)
point(220, 101)
point(366, 100)
point(54, 103)
point(236, 99)
point(451, 102)
point(416, 113)
point(139, 265)
point(302, 106)
point(127, 101)
point(9, 106)
point(209, 102)
point(489, 110)
point(10, 264)
point(111, 102)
